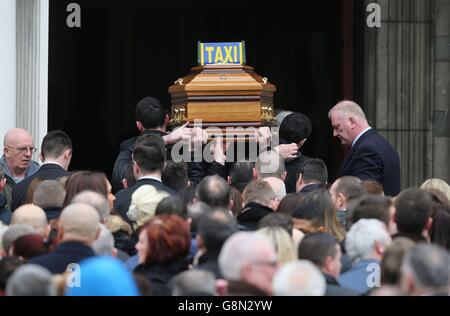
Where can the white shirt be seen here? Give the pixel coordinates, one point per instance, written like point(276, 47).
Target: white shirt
point(150, 177)
point(52, 162)
point(359, 135)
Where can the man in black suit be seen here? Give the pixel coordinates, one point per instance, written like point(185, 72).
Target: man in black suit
point(151, 118)
point(294, 130)
point(313, 175)
point(149, 156)
point(56, 154)
point(78, 228)
point(371, 156)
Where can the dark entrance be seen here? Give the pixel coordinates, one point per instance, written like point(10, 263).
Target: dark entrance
point(126, 50)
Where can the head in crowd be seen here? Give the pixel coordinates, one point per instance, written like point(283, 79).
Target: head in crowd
point(172, 205)
point(7, 266)
point(373, 206)
point(373, 187)
point(143, 204)
point(278, 187)
point(413, 213)
point(440, 230)
point(96, 200)
point(49, 194)
point(18, 149)
point(30, 280)
point(194, 283)
point(260, 192)
point(277, 219)
point(14, 232)
point(299, 278)
point(367, 239)
point(290, 203)
point(392, 260)
point(163, 240)
point(240, 174)
point(214, 191)
point(150, 114)
point(282, 242)
point(295, 128)
point(425, 271)
point(104, 244)
point(324, 251)
point(32, 215)
point(79, 222)
point(214, 228)
point(331, 223)
point(236, 201)
point(175, 175)
point(309, 218)
point(29, 246)
point(85, 180)
point(346, 189)
point(194, 212)
point(269, 164)
point(249, 258)
point(437, 184)
point(129, 179)
point(281, 115)
point(31, 188)
point(104, 276)
point(149, 155)
point(57, 147)
point(348, 121)
point(312, 171)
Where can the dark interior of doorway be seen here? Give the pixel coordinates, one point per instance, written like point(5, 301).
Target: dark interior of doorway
point(125, 50)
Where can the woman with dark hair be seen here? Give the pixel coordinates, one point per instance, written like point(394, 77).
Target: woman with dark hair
point(87, 180)
point(163, 247)
point(29, 246)
point(440, 229)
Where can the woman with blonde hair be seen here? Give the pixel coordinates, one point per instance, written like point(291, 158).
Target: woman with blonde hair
point(282, 243)
point(437, 184)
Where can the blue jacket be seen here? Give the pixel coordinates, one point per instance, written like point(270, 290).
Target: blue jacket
point(5, 213)
point(362, 276)
point(372, 157)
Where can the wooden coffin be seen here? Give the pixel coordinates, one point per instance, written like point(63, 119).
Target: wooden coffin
point(223, 96)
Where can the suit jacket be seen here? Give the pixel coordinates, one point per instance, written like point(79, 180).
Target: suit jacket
point(123, 197)
point(66, 253)
point(48, 171)
point(292, 168)
point(372, 157)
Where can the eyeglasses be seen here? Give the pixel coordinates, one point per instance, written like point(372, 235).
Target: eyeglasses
point(24, 149)
point(272, 264)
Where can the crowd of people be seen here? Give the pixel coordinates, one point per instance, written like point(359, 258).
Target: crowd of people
point(273, 226)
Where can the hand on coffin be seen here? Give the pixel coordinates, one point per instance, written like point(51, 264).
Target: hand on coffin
point(263, 136)
point(287, 151)
point(199, 137)
point(218, 151)
point(182, 133)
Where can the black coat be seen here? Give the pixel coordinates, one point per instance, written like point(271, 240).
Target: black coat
point(66, 253)
point(311, 187)
point(372, 157)
point(159, 275)
point(123, 197)
point(209, 262)
point(48, 171)
point(334, 289)
point(251, 214)
point(5, 213)
point(292, 168)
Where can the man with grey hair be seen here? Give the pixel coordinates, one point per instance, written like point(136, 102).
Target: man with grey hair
point(12, 234)
point(30, 280)
point(78, 229)
point(426, 271)
point(34, 216)
point(96, 200)
point(49, 195)
point(365, 243)
point(194, 283)
point(270, 167)
point(299, 278)
point(371, 156)
point(248, 261)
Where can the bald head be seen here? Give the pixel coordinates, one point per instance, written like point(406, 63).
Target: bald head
point(18, 149)
point(79, 222)
point(32, 215)
point(348, 121)
point(16, 136)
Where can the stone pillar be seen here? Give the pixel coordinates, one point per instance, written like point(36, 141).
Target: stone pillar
point(7, 67)
point(32, 66)
point(400, 85)
point(441, 122)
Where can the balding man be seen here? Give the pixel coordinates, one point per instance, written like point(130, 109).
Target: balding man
point(33, 216)
point(371, 156)
point(79, 227)
point(18, 148)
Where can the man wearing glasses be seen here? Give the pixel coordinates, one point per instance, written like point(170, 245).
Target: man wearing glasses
point(16, 162)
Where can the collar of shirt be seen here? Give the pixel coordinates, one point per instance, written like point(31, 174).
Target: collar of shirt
point(360, 134)
point(150, 177)
point(52, 162)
